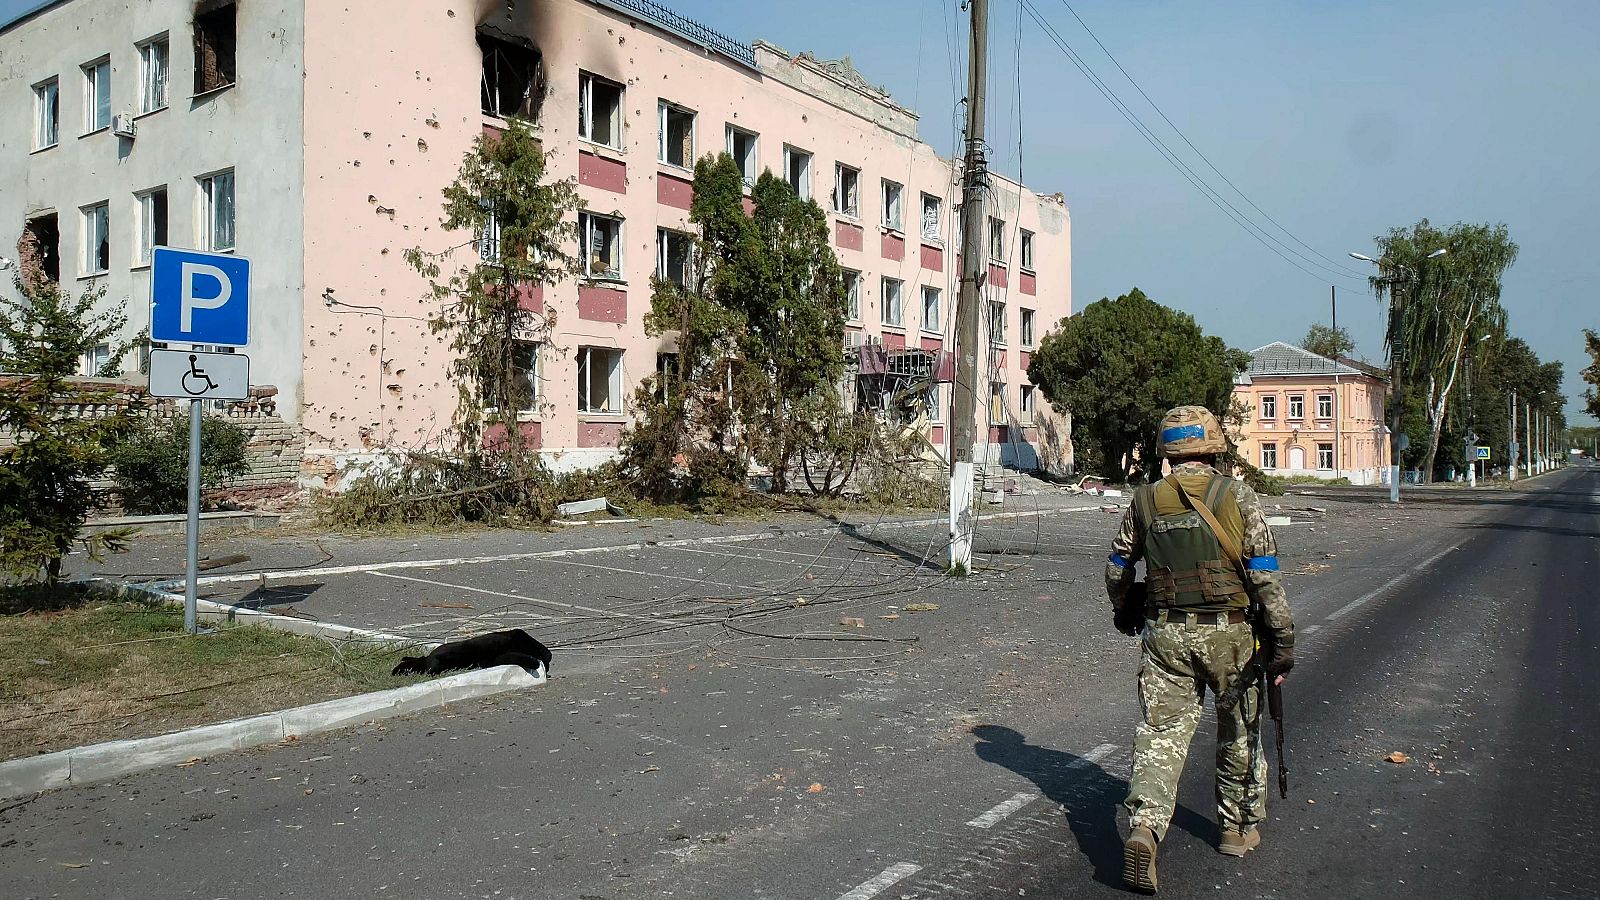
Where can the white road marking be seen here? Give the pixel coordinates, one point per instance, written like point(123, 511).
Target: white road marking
point(1005, 808)
point(1310, 629)
point(1392, 583)
point(875, 885)
point(737, 587)
point(606, 613)
point(303, 574)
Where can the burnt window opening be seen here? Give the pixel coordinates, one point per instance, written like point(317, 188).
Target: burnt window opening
point(512, 83)
point(39, 250)
point(215, 39)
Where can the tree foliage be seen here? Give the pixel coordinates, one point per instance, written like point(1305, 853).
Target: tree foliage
point(1324, 340)
point(1591, 372)
point(521, 234)
point(152, 462)
point(1119, 365)
point(46, 476)
point(1441, 307)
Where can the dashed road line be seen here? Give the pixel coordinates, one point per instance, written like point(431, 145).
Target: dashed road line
point(1389, 585)
point(1002, 809)
point(876, 885)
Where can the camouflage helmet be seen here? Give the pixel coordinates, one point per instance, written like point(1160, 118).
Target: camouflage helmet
point(1190, 431)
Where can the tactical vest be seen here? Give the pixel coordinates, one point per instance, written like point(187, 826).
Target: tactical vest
point(1185, 566)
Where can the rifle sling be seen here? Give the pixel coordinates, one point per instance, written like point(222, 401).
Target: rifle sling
point(1224, 539)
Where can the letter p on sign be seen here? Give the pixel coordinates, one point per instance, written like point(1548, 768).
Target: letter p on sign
point(199, 298)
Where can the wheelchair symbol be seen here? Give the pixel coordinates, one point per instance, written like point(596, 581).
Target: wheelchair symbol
point(197, 376)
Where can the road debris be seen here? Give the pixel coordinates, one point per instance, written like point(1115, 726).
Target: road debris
point(920, 607)
point(1398, 758)
point(853, 622)
point(815, 788)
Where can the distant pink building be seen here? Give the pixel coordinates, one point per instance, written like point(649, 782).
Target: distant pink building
point(1310, 415)
point(318, 136)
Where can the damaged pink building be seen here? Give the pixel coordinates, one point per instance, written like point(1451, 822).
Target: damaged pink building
point(314, 138)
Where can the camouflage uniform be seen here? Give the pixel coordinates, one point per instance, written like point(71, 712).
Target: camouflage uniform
point(1181, 660)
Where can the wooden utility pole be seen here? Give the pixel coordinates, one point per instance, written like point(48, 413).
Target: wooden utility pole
point(974, 272)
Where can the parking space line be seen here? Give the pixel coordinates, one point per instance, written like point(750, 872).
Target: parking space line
point(737, 587)
point(573, 606)
point(876, 885)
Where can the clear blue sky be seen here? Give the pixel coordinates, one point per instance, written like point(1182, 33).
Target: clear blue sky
point(1339, 119)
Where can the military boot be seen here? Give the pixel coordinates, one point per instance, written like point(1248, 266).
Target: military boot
point(1238, 843)
point(1139, 860)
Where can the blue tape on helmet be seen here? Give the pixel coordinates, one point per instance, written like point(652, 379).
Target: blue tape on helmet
point(1262, 564)
point(1120, 561)
point(1182, 433)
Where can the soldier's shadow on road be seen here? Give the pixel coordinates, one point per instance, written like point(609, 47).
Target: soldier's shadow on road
point(1090, 796)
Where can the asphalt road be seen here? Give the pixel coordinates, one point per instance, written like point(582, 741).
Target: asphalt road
point(986, 760)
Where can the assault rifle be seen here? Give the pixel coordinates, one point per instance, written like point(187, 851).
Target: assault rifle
point(1255, 673)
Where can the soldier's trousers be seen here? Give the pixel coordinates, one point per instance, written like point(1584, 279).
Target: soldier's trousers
point(1180, 662)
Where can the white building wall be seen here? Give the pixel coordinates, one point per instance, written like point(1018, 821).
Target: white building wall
point(254, 127)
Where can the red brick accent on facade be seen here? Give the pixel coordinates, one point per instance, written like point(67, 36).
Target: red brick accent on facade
point(1028, 283)
point(530, 297)
point(932, 343)
point(1023, 359)
point(847, 236)
point(494, 436)
point(1030, 434)
point(598, 171)
point(492, 133)
point(601, 304)
point(936, 436)
point(997, 275)
point(892, 341)
point(998, 434)
point(933, 258)
point(674, 191)
point(749, 206)
point(599, 434)
point(945, 371)
point(1000, 359)
point(894, 247)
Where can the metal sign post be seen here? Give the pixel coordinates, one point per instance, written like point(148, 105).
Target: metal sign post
point(198, 299)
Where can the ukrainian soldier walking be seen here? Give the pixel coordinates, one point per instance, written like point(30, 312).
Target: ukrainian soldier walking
point(1209, 560)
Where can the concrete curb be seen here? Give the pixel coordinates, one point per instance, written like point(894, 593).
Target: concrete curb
point(212, 611)
point(99, 762)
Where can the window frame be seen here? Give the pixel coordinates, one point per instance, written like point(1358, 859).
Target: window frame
point(533, 373)
point(997, 336)
point(1300, 401)
point(1026, 326)
point(200, 25)
point(1025, 403)
point(898, 306)
point(663, 238)
point(94, 92)
point(1269, 448)
point(495, 51)
point(586, 221)
point(852, 294)
point(893, 189)
point(144, 237)
point(937, 326)
point(1328, 398)
point(1027, 251)
point(207, 238)
point(90, 216)
point(998, 403)
point(164, 41)
point(749, 169)
point(664, 111)
point(937, 235)
point(1330, 451)
point(1266, 401)
point(934, 399)
point(792, 153)
point(997, 240)
point(852, 210)
point(52, 85)
point(585, 381)
point(586, 117)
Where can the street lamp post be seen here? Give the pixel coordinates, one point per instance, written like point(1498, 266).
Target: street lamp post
point(1396, 305)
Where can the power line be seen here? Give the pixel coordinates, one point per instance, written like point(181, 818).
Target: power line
point(1196, 150)
point(1188, 173)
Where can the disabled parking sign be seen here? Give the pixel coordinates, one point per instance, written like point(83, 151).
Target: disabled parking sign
point(199, 298)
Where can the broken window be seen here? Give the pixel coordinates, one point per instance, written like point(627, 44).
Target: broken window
point(96, 257)
point(930, 309)
point(852, 295)
point(1025, 404)
point(152, 224)
point(600, 242)
point(846, 185)
point(154, 55)
point(997, 239)
point(97, 96)
point(510, 85)
point(997, 323)
point(675, 146)
point(39, 250)
point(489, 237)
point(997, 404)
point(891, 205)
point(599, 380)
point(674, 249)
point(933, 402)
point(666, 375)
point(797, 170)
point(216, 211)
point(599, 110)
point(742, 147)
point(46, 114)
point(1025, 328)
point(931, 207)
point(1027, 250)
point(893, 313)
point(215, 26)
point(520, 382)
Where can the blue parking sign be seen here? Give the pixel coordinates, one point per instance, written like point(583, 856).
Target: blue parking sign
point(199, 298)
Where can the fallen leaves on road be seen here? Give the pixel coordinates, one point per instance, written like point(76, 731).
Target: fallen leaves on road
point(920, 607)
point(816, 788)
point(1398, 758)
point(890, 616)
point(853, 622)
point(75, 865)
point(187, 763)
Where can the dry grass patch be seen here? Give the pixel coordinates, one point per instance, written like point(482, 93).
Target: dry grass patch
point(112, 670)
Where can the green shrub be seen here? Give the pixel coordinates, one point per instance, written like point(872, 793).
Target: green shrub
point(152, 466)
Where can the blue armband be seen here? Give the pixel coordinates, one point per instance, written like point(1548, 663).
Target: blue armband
point(1262, 564)
point(1120, 561)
